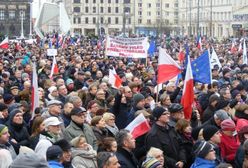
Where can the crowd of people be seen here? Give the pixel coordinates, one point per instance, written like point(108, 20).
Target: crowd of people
point(81, 118)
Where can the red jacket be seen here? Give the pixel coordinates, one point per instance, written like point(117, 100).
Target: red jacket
point(229, 146)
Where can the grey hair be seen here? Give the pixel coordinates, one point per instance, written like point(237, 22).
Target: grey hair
point(121, 137)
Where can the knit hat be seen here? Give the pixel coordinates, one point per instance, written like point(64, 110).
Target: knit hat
point(221, 114)
point(209, 131)
point(8, 98)
point(13, 113)
point(63, 144)
point(195, 132)
point(3, 128)
point(221, 104)
point(228, 125)
point(202, 148)
point(3, 106)
point(69, 81)
point(29, 160)
point(151, 162)
point(158, 111)
point(235, 93)
point(54, 151)
point(14, 106)
point(137, 98)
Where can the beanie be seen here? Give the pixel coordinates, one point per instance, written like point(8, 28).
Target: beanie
point(228, 125)
point(13, 113)
point(195, 132)
point(221, 104)
point(157, 112)
point(209, 131)
point(3, 128)
point(151, 162)
point(137, 98)
point(202, 148)
point(63, 144)
point(54, 152)
point(235, 93)
point(3, 106)
point(8, 98)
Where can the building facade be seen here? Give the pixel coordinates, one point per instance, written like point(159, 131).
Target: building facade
point(12, 12)
point(214, 18)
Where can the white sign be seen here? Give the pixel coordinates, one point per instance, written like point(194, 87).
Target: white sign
point(52, 52)
point(127, 47)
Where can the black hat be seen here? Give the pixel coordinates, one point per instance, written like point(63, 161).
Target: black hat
point(221, 104)
point(225, 71)
point(195, 132)
point(8, 98)
point(175, 107)
point(235, 93)
point(54, 152)
point(158, 111)
point(76, 110)
point(209, 131)
point(3, 106)
point(63, 144)
point(202, 148)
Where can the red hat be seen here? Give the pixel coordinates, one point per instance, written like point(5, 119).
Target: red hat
point(228, 125)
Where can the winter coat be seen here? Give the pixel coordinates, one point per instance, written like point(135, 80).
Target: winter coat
point(203, 163)
point(229, 146)
point(73, 130)
point(208, 113)
point(121, 111)
point(168, 140)
point(84, 158)
point(10, 148)
point(55, 164)
point(126, 159)
point(100, 133)
point(239, 158)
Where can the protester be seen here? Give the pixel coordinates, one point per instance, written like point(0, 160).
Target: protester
point(107, 160)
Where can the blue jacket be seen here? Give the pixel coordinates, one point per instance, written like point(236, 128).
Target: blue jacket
point(55, 164)
point(203, 163)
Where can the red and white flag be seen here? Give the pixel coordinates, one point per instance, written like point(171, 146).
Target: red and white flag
point(240, 47)
point(55, 69)
point(138, 126)
point(233, 48)
point(188, 92)
point(181, 55)
point(5, 43)
point(199, 43)
point(35, 92)
point(114, 79)
point(167, 67)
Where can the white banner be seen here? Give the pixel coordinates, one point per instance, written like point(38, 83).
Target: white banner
point(52, 52)
point(127, 47)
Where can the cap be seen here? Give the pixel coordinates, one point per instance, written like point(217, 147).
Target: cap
point(202, 148)
point(158, 111)
point(54, 102)
point(228, 125)
point(80, 72)
point(209, 131)
point(221, 114)
point(53, 152)
point(52, 121)
point(13, 87)
point(76, 110)
point(175, 107)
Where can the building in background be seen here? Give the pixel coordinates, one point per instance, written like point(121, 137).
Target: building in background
point(11, 15)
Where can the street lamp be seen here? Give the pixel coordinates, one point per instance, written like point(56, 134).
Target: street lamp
point(22, 33)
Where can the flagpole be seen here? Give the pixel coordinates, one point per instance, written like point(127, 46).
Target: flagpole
point(157, 93)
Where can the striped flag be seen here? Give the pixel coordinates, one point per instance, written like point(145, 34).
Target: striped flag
point(55, 69)
point(35, 93)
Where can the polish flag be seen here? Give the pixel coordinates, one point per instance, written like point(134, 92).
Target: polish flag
point(35, 93)
point(240, 47)
point(233, 48)
point(55, 69)
point(199, 43)
point(114, 79)
point(181, 55)
point(5, 43)
point(244, 53)
point(188, 92)
point(167, 67)
point(138, 126)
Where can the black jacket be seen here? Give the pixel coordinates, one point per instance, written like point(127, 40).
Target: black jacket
point(126, 159)
point(208, 113)
point(168, 140)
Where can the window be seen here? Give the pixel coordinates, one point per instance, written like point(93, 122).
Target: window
point(86, 1)
point(148, 21)
point(157, 5)
point(87, 9)
point(22, 14)
point(158, 13)
point(148, 13)
point(139, 21)
point(74, 20)
point(139, 4)
point(109, 1)
point(79, 20)
point(116, 20)
point(76, 9)
point(94, 1)
point(11, 14)
point(76, 1)
point(86, 20)
point(167, 5)
point(139, 13)
point(149, 5)
point(101, 20)
point(94, 20)
point(116, 1)
point(101, 10)
point(109, 9)
point(94, 9)
point(101, 1)
point(176, 5)
point(109, 20)
point(129, 20)
point(1, 14)
point(116, 10)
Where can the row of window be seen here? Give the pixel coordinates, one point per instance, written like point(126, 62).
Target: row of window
point(96, 1)
point(94, 9)
point(149, 5)
point(77, 20)
point(12, 14)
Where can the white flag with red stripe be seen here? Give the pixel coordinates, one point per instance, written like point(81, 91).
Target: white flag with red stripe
point(167, 67)
point(114, 79)
point(5, 43)
point(138, 126)
point(35, 92)
point(55, 69)
point(188, 92)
